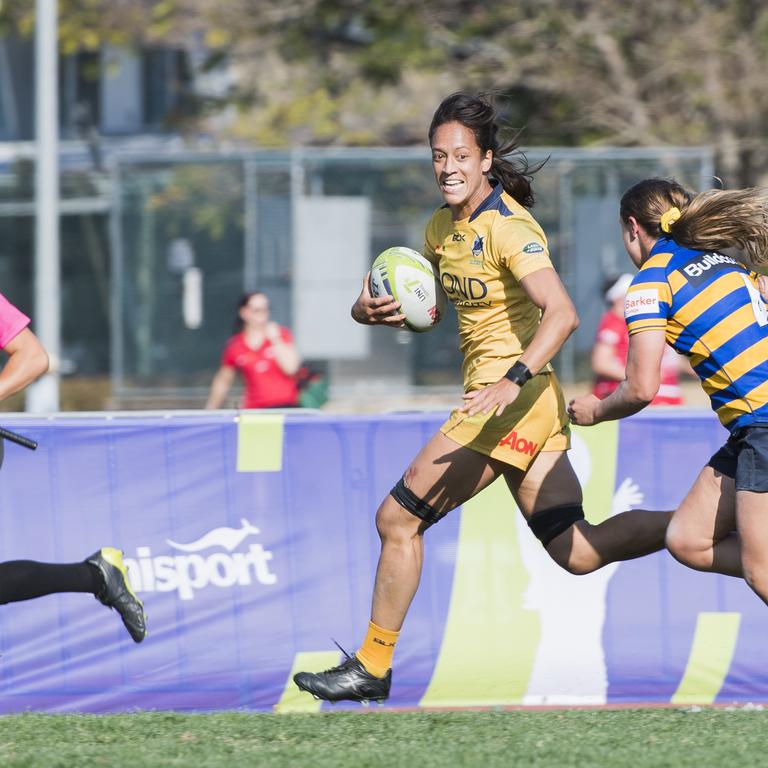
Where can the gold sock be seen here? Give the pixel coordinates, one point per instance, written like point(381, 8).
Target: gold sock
point(376, 652)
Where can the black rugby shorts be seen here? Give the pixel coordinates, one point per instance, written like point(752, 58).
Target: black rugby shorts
point(744, 457)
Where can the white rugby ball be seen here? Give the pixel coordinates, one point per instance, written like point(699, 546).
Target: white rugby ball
point(411, 279)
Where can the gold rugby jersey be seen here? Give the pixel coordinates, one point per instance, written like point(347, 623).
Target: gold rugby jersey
point(482, 260)
point(710, 310)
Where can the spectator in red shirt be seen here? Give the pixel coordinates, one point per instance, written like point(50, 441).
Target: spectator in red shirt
point(265, 356)
point(609, 354)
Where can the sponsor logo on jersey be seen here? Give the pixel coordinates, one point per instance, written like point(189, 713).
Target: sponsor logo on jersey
point(533, 248)
point(519, 444)
point(467, 288)
point(458, 237)
point(644, 302)
point(219, 558)
point(701, 268)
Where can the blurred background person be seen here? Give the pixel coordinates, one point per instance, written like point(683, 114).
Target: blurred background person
point(263, 353)
point(609, 353)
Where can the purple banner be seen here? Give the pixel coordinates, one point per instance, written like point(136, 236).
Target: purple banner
point(252, 542)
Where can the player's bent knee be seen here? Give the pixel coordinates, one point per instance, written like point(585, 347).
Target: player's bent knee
point(419, 508)
point(392, 522)
point(582, 561)
point(548, 524)
point(674, 542)
point(684, 549)
point(554, 528)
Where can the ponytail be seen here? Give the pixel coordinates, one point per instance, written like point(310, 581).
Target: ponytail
point(726, 218)
point(711, 221)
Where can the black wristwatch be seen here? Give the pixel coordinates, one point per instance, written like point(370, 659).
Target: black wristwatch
point(518, 374)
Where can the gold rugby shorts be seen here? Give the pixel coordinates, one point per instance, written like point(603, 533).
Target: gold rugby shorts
point(537, 421)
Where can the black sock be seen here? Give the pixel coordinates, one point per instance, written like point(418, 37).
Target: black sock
point(27, 579)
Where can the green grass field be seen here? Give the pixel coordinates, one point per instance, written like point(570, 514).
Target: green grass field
point(631, 738)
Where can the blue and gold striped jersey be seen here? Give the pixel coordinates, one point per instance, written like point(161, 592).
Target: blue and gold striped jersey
point(710, 309)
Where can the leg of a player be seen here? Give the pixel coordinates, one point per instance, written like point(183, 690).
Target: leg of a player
point(550, 482)
point(752, 523)
point(443, 476)
point(103, 575)
point(702, 533)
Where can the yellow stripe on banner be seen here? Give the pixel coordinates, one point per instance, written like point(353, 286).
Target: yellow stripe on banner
point(294, 700)
point(602, 442)
point(260, 443)
point(714, 642)
point(490, 639)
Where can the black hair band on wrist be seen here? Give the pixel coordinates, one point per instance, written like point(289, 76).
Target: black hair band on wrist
point(518, 373)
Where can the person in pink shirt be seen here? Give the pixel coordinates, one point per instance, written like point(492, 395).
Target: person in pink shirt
point(609, 353)
point(263, 353)
point(103, 574)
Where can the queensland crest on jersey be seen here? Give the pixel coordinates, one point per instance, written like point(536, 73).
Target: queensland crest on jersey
point(477, 247)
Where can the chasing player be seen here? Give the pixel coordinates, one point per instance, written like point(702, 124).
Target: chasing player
point(706, 305)
point(103, 573)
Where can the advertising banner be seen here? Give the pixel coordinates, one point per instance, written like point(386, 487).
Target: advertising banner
point(251, 539)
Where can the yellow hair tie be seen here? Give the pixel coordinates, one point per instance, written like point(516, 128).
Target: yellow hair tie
point(668, 218)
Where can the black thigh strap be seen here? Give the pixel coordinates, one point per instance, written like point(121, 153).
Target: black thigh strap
point(407, 499)
point(547, 524)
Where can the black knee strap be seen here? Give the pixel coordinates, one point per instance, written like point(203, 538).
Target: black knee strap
point(550, 523)
point(407, 499)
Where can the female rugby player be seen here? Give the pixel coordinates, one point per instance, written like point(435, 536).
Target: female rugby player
point(103, 574)
point(706, 305)
point(513, 422)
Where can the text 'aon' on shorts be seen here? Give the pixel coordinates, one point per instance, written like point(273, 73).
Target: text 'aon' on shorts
point(537, 421)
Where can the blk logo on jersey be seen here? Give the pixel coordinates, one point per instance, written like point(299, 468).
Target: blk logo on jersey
point(458, 237)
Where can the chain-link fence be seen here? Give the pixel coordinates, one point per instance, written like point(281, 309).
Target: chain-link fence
point(157, 250)
point(302, 225)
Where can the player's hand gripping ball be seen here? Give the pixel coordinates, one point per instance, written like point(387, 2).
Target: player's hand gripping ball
point(408, 277)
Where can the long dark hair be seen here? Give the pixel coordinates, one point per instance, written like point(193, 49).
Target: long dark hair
point(509, 165)
point(710, 221)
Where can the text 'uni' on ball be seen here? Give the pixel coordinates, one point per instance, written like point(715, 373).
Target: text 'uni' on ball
point(413, 281)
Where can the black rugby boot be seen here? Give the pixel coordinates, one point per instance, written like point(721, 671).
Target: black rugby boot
point(116, 591)
point(350, 681)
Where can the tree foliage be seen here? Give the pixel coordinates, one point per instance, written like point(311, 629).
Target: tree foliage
point(371, 71)
point(572, 71)
point(85, 25)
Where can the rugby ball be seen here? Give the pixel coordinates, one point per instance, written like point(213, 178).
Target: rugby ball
point(408, 277)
